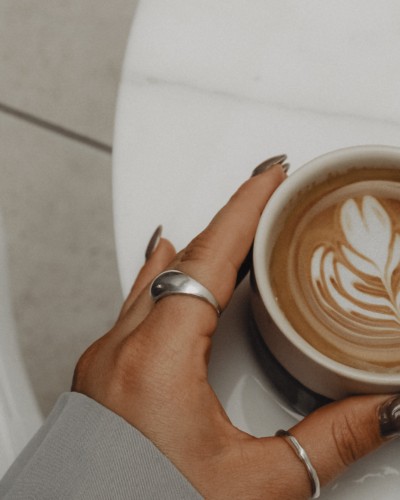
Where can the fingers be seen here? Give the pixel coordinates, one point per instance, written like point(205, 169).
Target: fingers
point(161, 256)
point(214, 257)
point(338, 434)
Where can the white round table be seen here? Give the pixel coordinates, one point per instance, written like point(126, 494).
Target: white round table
point(211, 89)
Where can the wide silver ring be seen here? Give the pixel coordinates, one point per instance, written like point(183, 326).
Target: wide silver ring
point(175, 283)
point(300, 452)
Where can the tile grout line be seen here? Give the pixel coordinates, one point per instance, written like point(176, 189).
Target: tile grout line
point(57, 129)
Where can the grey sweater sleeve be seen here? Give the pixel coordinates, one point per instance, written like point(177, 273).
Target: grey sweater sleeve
point(85, 451)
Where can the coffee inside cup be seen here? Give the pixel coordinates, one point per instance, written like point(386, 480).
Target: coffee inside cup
point(335, 268)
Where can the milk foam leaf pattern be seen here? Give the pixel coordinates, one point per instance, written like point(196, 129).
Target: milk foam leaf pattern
point(369, 232)
point(345, 280)
point(364, 265)
point(337, 292)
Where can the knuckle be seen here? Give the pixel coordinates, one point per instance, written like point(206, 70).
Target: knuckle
point(84, 367)
point(145, 367)
point(130, 364)
point(124, 359)
point(206, 249)
point(200, 247)
point(351, 437)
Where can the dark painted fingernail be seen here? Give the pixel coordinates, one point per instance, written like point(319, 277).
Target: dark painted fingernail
point(267, 164)
point(154, 240)
point(285, 167)
point(389, 417)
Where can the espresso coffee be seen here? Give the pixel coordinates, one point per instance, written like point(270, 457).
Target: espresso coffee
point(335, 268)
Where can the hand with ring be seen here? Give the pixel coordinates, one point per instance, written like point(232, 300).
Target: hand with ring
point(151, 369)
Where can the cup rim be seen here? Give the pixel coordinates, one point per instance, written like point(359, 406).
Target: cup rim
point(286, 191)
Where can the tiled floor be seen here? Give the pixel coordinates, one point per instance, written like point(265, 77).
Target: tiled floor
point(60, 63)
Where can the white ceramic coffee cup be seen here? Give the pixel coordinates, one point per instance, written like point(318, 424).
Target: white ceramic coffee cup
point(310, 367)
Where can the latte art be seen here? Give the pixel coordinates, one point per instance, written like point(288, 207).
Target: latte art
point(356, 288)
point(343, 272)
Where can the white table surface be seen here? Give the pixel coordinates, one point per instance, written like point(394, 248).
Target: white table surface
point(210, 89)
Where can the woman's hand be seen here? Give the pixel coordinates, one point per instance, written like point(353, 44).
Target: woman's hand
point(151, 369)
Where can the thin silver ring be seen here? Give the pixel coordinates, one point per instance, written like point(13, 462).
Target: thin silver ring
point(175, 283)
point(300, 452)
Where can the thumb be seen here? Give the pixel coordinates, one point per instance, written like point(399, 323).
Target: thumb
point(342, 432)
point(333, 437)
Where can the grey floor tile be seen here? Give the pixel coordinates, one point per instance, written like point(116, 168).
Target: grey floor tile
point(55, 196)
point(61, 60)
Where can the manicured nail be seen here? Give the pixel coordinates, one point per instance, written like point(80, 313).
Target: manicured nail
point(265, 165)
point(154, 240)
point(285, 167)
point(389, 417)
